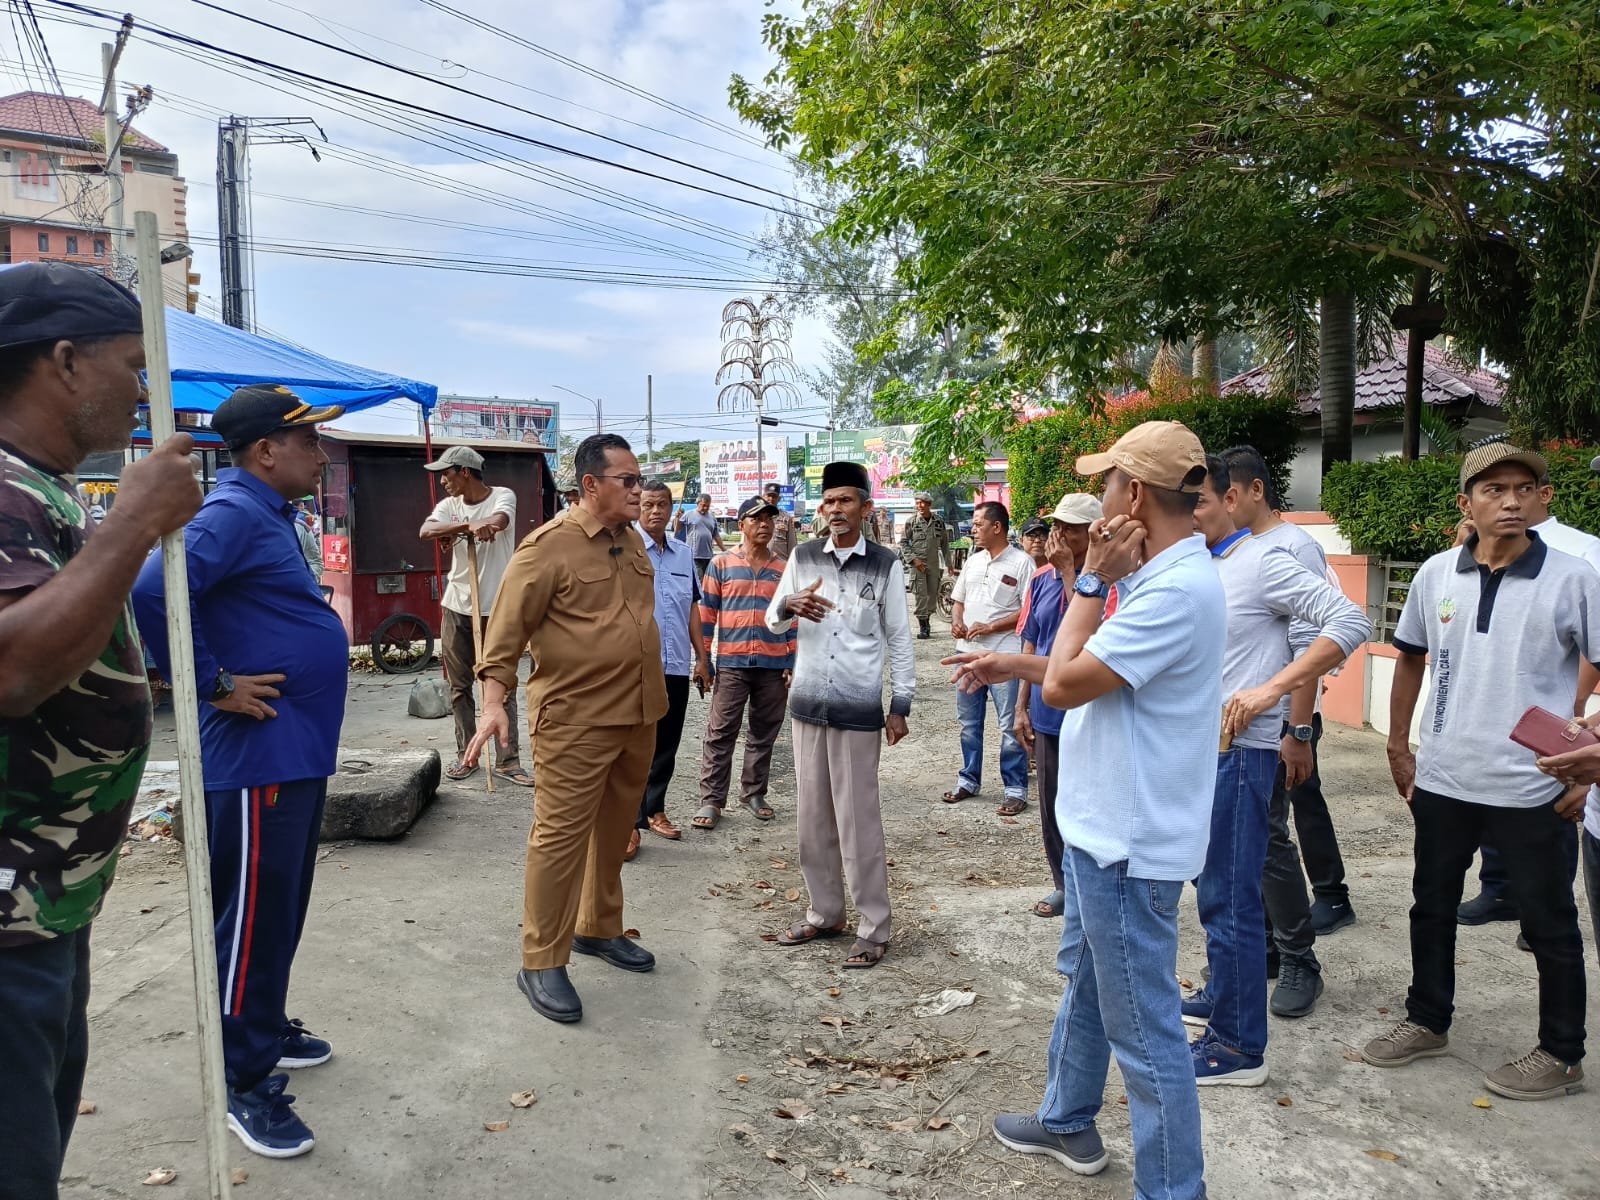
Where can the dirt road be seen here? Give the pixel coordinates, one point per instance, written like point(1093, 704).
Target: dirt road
point(742, 1069)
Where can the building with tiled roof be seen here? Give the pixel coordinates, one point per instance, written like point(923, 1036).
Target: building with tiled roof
point(1469, 396)
point(55, 200)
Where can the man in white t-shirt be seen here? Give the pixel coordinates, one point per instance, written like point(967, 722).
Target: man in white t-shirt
point(988, 597)
point(488, 515)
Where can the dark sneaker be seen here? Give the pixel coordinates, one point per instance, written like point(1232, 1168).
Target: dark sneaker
point(1484, 908)
point(1536, 1076)
point(1299, 984)
point(1082, 1152)
point(1197, 1009)
point(1218, 1065)
point(300, 1049)
point(262, 1119)
point(1406, 1042)
point(1524, 944)
point(1329, 916)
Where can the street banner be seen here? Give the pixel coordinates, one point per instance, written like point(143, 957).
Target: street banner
point(728, 470)
point(885, 451)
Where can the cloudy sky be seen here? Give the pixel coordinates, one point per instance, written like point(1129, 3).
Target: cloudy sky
point(430, 188)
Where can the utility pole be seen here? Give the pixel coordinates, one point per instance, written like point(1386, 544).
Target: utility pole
point(649, 418)
point(109, 55)
point(233, 206)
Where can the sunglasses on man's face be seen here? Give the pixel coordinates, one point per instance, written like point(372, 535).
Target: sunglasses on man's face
point(628, 482)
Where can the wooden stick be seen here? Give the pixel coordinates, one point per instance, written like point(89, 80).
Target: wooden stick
point(477, 648)
point(186, 702)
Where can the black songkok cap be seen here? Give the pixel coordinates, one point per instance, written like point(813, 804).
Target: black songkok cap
point(845, 474)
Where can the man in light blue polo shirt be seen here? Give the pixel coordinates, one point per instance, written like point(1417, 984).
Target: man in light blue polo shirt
point(1142, 692)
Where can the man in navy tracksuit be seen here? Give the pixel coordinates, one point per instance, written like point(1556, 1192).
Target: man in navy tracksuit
point(272, 662)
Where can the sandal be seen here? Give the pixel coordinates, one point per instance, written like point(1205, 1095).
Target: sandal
point(807, 932)
point(957, 796)
point(865, 954)
point(1011, 808)
point(757, 809)
point(516, 775)
point(1051, 906)
point(460, 771)
point(707, 817)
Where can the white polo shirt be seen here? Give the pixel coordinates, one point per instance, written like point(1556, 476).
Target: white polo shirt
point(1498, 643)
point(992, 588)
point(1145, 755)
point(1587, 547)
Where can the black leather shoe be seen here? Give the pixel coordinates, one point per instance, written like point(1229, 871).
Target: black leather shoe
point(618, 951)
point(551, 993)
point(1485, 907)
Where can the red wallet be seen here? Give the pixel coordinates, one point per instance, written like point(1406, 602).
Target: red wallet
point(1547, 735)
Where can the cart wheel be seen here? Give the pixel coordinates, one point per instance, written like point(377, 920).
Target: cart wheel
point(947, 602)
point(402, 644)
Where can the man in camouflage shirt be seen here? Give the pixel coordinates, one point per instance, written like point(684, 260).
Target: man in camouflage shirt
point(75, 712)
point(924, 547)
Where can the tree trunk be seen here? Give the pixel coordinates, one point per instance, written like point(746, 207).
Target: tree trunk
point(1417, 341)
point(1207, 366)
point(1337, 376)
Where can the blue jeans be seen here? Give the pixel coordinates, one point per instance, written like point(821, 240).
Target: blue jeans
point(1119, 953)
point(970, 710)
point(1229, 896)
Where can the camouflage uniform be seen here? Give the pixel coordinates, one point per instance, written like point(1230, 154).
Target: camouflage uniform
point(926, 538)
point(70, 770)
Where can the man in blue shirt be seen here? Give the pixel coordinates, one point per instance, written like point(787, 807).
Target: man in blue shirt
point(678, 616)
point(701, 531)
point(1142, 692)
point(1038, 725)
point(272, 659)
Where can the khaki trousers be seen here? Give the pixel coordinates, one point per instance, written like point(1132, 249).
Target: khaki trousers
point(587, 780)
point(841, 826)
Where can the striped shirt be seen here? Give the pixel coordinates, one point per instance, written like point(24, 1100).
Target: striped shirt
point(733, 608)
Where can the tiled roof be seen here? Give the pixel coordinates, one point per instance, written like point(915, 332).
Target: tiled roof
point(1382, 383)
point(63, 117)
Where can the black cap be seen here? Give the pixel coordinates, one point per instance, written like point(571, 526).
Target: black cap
point(254, 411)
point(757, 507)
point(52, 301)
point(1034, 525)
point(845, 474)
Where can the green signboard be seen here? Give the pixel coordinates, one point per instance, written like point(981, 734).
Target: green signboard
point(885, 451)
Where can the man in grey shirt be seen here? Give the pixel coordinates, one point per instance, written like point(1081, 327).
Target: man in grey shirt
point(701, 531)
point(1266, 589)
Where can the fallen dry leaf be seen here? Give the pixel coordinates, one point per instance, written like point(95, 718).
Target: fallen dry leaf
point(833, 992)
point(1122, 1099)
point(904, 1125)
point(794, 1110)
point(940, 1122)
point(769, 937)
point(712, 892)
point(779, 865)
point(1482, 1102)
point(741, 1079)
point(774, 1156)
point(1385, 1155)
point(1352, 1056)
point(496, 1126)
point(1186, 985)
point(525, 1099)
point(1383, 1011)
point(792, 895)
point(1009, 821)
point(1285, 1102)
point(835, 1020)
point(160, 1177)
point(239, 1176)
point(933, 908)
point(85, 1107)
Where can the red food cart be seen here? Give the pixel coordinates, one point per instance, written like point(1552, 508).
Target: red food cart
point(375, 496)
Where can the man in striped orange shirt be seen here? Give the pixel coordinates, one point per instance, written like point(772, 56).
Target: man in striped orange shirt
point(753, 666)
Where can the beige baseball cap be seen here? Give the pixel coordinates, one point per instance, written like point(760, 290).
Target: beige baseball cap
point(1078, 508)
point(1481, 459)
point(1164, 454)
point(457, 456)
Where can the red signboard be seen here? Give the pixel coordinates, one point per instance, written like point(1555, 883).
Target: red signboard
point(335, 553)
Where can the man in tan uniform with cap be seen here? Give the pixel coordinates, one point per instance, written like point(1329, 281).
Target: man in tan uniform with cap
point(580, 594)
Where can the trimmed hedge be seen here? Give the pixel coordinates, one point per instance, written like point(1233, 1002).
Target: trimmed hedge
point(1041, 454)
point(1407, 510)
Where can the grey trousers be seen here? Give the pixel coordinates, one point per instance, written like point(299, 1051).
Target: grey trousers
point(455, 642)
point(762, 690)
point(841, 826)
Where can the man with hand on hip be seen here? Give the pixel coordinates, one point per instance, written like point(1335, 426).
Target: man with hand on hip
point(1142, 691)
point(272, 659)
point(849, 597)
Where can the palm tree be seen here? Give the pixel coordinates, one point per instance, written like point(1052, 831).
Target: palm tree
point(1336, 370)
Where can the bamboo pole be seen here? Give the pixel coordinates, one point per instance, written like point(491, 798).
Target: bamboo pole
point(477, 647)
point(186, 702)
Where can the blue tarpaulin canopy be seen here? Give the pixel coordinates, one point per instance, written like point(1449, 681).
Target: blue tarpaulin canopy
point(210, 360)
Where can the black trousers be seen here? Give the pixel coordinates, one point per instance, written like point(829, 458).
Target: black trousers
point(1283, 883)
point(1047, 758)
point(1591, 881)
point(1533, 841)
point(1313, 826)
point(669, 732)
point(44, 1047)
point(1492, 871)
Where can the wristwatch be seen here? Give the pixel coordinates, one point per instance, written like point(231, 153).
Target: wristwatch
point(1301, 733)
point(1091, 585)
point(222, 688)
